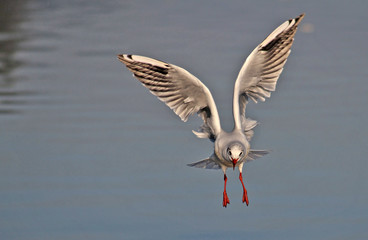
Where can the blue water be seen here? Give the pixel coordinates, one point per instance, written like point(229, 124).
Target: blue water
point(87, 153)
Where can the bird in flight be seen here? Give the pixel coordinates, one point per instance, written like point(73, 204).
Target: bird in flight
point(185, 95)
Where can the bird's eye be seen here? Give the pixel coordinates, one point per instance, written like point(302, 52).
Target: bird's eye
point(229, 152)
point(241, 153)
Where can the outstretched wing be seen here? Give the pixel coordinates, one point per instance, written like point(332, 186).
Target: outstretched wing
point(177, 88)
point(206, 163)
point(261, 70)
point(213, 162)
point(254, 154)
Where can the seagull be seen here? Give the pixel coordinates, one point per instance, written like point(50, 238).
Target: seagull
point(185, 95)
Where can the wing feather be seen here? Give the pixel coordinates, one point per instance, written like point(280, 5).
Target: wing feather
point(261, 70)
point(177, 88)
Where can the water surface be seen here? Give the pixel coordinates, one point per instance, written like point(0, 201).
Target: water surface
point(87, 153)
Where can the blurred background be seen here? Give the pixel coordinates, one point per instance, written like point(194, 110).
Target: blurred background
point(86, 152)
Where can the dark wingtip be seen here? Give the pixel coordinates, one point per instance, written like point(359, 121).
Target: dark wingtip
point(300, 17)
point(122, 57)
point(297, 19)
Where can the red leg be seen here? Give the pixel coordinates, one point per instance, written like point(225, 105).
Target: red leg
point(225, 200)
point(245, 196)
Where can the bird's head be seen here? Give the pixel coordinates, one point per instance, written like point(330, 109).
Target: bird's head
point(235, 152)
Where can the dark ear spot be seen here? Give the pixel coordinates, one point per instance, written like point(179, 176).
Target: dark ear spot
point(229, 151)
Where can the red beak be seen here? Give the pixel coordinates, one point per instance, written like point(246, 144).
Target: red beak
point(235, 160)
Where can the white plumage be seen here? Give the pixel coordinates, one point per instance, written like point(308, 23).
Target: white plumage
point(185, 94)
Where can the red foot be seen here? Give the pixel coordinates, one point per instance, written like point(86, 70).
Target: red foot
point(245, 195)
point(225, 200)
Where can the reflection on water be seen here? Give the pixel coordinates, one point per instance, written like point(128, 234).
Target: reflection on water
point(9, 101)
point(12, 14)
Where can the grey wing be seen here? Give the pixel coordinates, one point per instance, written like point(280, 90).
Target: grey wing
point(206, 163)
point(211, 163)
point(254, 154)
point(177, 88)
point(261, 70)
